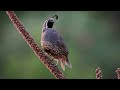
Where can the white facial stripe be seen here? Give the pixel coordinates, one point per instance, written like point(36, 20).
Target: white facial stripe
point(46, 23)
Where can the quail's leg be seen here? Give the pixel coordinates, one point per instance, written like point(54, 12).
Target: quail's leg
point(52, 58)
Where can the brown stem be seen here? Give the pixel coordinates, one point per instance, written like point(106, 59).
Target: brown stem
point(98, 73)
point(26, 36)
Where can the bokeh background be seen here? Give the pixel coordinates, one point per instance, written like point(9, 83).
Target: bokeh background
point(92, 37)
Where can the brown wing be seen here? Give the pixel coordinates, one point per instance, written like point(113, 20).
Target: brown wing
point(62, 47)
point(49, 48)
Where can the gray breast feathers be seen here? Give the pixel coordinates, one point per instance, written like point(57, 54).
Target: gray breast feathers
point(51, 35)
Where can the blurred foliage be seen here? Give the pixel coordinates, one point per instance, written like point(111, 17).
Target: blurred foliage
point(92, 38)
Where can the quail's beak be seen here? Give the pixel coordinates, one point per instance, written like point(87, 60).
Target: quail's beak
point(52, 20)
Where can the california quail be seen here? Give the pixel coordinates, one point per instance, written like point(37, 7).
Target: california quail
point(53, 44)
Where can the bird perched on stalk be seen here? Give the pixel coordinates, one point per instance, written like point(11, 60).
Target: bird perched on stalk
point(53, 44)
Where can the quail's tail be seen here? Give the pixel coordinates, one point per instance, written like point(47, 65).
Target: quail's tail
point(62, 63)
point(65, 62)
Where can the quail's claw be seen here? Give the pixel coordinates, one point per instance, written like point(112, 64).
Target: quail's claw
point(57, 62)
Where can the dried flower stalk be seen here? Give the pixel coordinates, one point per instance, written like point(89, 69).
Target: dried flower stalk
point(98, 73)
point(118, 73)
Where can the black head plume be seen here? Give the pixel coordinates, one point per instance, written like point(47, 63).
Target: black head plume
point(55, 16)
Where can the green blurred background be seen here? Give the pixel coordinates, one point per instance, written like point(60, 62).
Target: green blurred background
point(92, 38)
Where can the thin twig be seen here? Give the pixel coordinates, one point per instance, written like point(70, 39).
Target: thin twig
point(27, 37)
point(98, 73)
point(118, 73)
